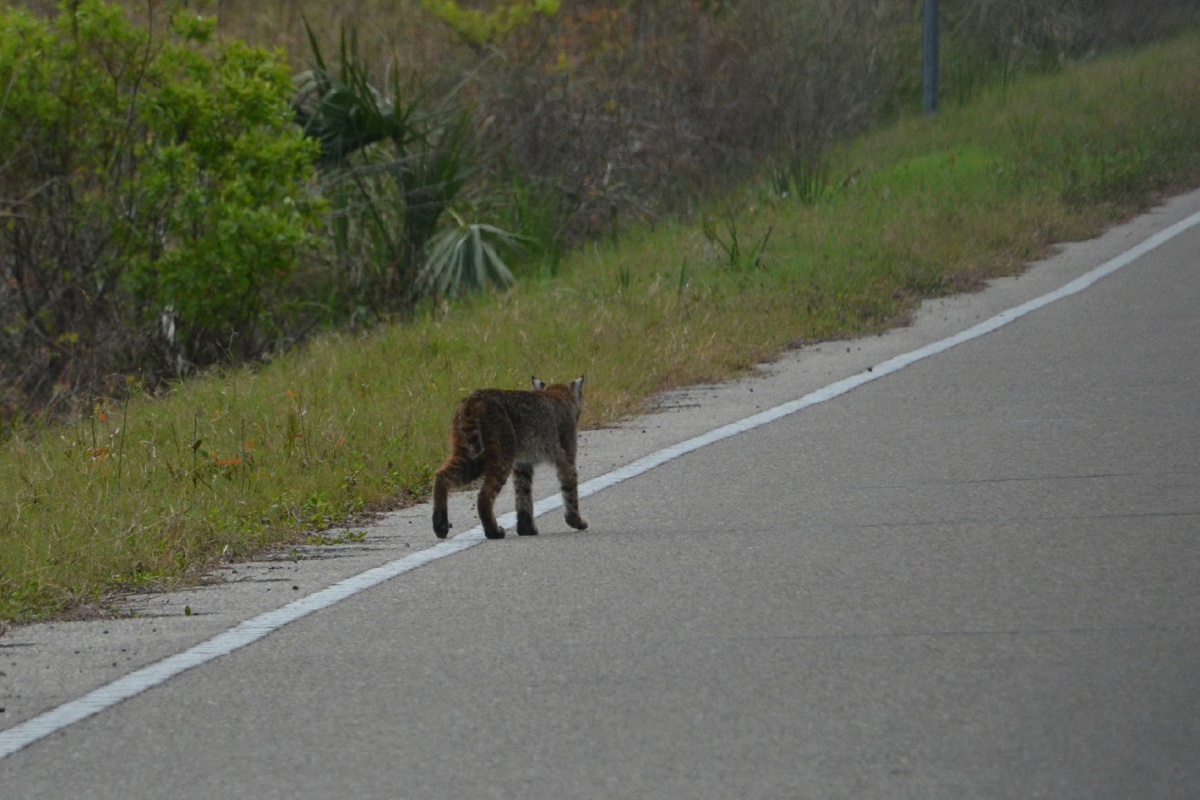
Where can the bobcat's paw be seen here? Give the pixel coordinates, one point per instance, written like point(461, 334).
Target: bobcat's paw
point(497, 533)
point(441, 524)
point(525, 527)
point(577, 522)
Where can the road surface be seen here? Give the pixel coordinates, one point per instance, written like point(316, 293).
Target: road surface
point(976, 576)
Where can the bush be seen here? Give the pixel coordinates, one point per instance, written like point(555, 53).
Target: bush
point(153, 197)
point(392, 168)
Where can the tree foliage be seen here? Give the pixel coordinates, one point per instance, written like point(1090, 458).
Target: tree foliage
point(153, 197)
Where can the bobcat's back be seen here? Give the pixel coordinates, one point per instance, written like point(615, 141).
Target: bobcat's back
point(543, 424)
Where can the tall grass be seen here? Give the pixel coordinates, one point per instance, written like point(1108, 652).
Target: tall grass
point(157, 490)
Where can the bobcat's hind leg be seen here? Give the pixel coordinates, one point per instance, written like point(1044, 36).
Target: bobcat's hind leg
point(568, 479)
point(454, 473)
point(499, 443)
point(523, 485)
point(493, 482)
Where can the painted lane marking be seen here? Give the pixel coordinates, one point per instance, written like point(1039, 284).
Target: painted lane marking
point(41, 726)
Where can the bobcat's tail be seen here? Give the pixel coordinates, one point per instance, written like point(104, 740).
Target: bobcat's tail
point(471, 436)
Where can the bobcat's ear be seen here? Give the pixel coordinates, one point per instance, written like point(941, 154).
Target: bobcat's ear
point(537, 385)
point(577, 389)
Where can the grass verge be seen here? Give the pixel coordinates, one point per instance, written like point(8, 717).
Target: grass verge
point(150, 491)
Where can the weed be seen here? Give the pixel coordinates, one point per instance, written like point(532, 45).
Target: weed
point(681, 283)
point(804, 179)
point(722, 235)
point(624, 277)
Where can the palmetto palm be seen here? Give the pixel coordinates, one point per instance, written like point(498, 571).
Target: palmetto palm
point(398, 168)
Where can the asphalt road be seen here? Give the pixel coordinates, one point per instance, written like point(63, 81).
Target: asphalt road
point(976, 577)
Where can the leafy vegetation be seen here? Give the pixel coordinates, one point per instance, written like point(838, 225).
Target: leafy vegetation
point(392, 170)
point(153, 203)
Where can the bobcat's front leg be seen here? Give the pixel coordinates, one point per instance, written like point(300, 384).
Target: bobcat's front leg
point(523, 486)
point(568, 479)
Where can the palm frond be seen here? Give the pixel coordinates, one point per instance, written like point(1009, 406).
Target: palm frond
point(343, 111)
point(465, 258)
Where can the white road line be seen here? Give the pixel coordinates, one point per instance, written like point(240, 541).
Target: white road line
point(30, 731)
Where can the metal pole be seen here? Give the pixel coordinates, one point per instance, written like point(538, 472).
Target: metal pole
point(929, 57)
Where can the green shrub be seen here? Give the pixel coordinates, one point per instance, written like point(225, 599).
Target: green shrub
point(227, 181)
point(153, 196)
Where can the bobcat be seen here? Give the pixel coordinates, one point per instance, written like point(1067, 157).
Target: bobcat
point(497, 431)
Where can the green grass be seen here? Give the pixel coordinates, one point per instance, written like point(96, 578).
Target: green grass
point(153, 491)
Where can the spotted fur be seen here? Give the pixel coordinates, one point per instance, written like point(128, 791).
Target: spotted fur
point(498, 431)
